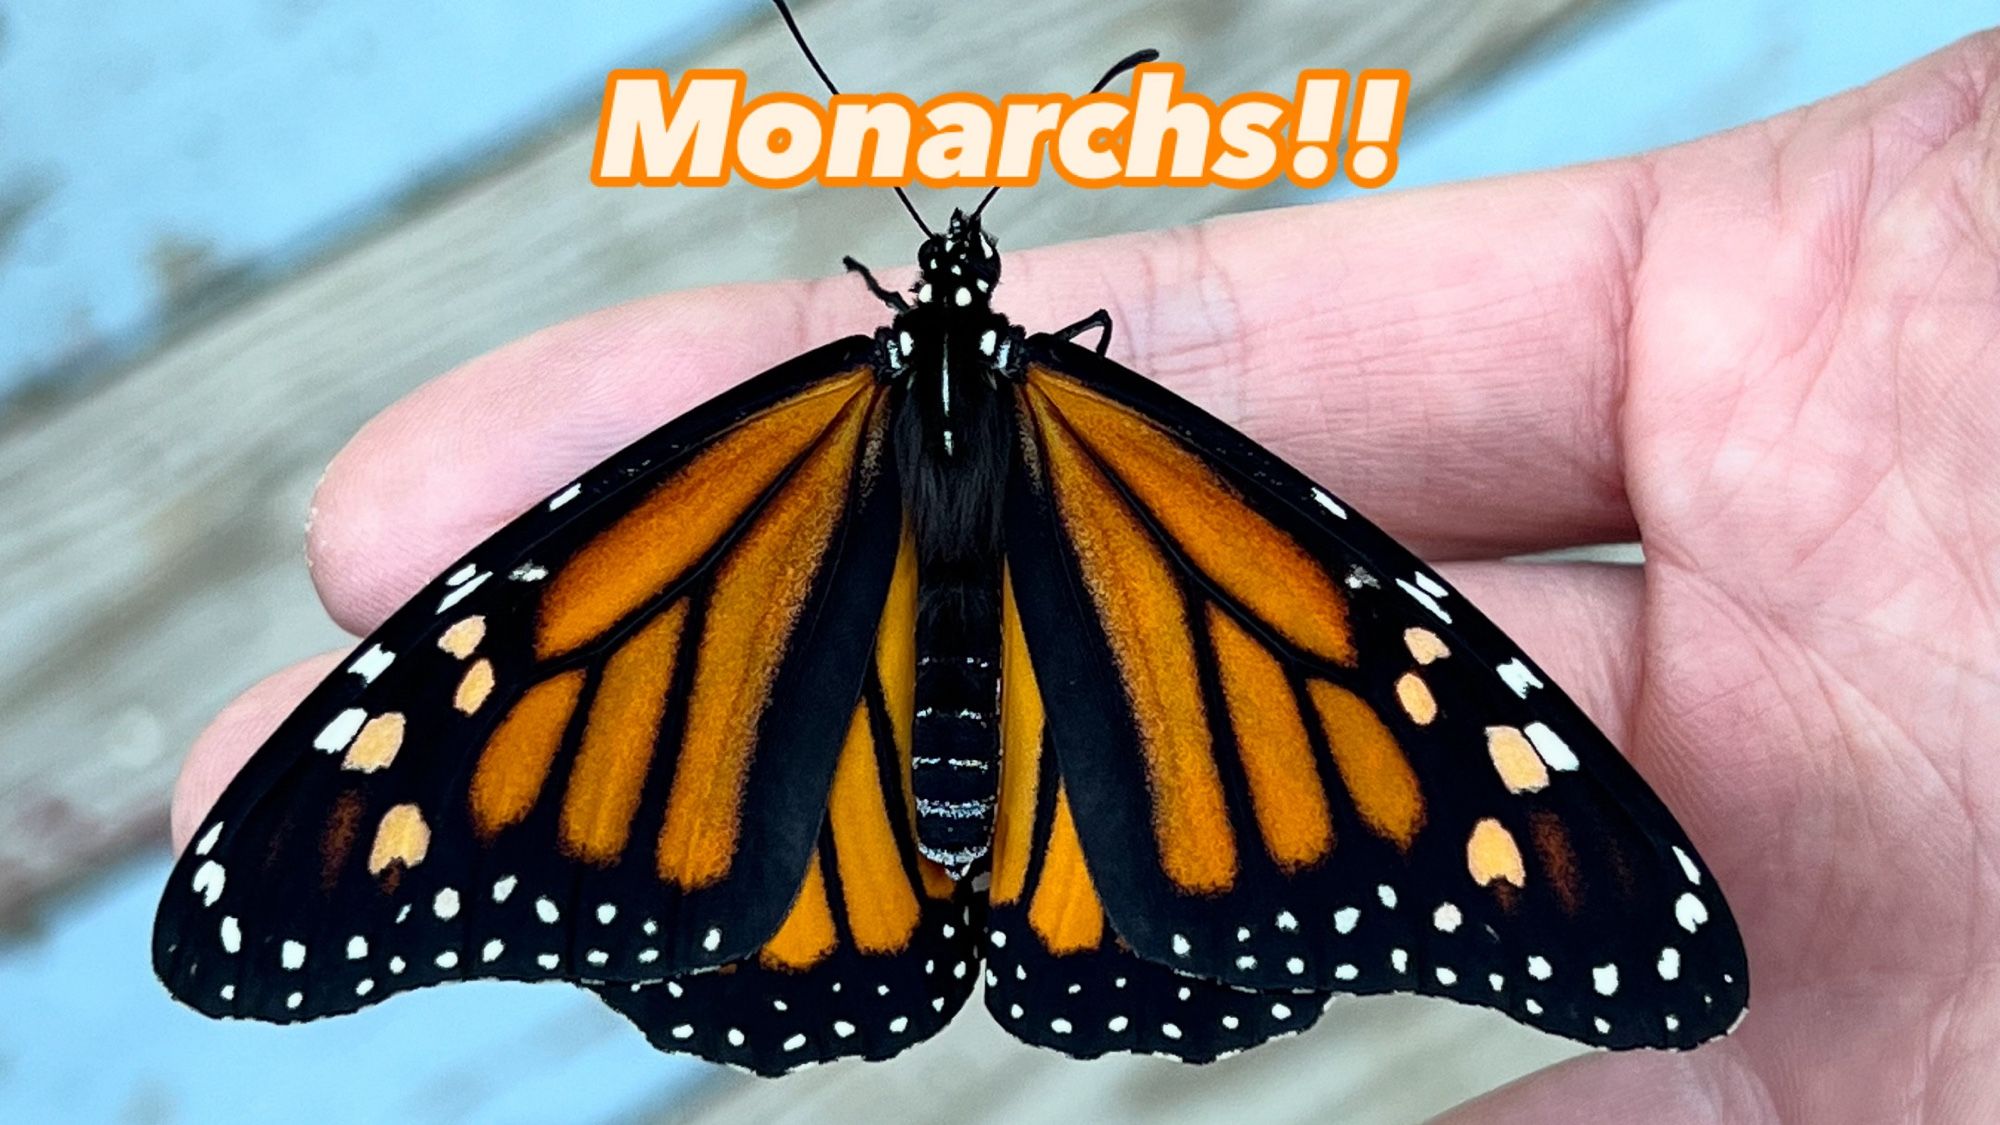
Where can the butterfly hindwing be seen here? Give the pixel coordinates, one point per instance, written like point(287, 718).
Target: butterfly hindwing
point(1058, 975)
point(1295, 758)
point(878, 950)
point(599, 747)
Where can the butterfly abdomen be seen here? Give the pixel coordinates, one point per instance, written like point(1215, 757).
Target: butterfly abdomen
point(954, 761)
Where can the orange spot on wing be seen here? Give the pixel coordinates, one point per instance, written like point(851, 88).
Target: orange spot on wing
point(1415, 696)
point(463, 637)
point(1261, 566)
point(1379, 779)
point(1424, 645)
point(1020, 753)
point(881, 905)
point(516, 759)
point(760, 588)
point(1065, 912)
point(807, 935)
point(1138, 599)
point(474, 687)
point(1492, 856)
point(402, 840)
point(1521, 770)
point(376, 746)
point(640, 556)
point(1271, 739)
point(611, 765)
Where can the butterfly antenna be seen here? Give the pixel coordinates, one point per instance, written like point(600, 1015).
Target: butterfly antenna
point(799, 37)
point(1136, 58)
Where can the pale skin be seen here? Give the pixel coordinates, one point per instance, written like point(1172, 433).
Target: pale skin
point(1772, 355)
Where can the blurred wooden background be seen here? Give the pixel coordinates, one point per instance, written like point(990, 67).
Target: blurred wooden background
point(150, 552)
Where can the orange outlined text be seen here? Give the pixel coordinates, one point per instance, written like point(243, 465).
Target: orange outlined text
point(699, 132)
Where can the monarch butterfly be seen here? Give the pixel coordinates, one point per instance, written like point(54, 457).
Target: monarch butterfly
point(947, 654)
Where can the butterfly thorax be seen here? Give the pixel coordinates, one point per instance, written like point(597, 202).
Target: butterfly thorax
point(950, 358)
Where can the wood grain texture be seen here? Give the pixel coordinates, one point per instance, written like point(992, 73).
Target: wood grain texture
point(150, 558)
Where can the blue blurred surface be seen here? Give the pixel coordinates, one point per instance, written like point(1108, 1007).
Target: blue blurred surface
point(86, 1033)
point(151, 148)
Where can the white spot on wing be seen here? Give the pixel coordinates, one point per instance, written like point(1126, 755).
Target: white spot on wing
point(208, 880)
point(460, 592)
point(1326, 501)
point(357, 947)
point(503, 888)
point(1447, 918)
point(1538, 967)
point(1604, 978)
point(208, 838)
point(565, 496)
point(1431, 585)
point(1689, 912)
point(712, 940)
point(335, 735)
point(529, 572)
point(1670, 963)
point(292, 955)
point(1519, 676)
point(1550, 746)
point(232, 935)
point(372, 663)
point(1424, 599)
point(461, 575)
point(1687, 866)
point(1345, 919)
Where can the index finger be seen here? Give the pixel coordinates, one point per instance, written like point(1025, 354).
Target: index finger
point(1401, 349)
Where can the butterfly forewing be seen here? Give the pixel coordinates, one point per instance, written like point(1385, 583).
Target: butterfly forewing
point(1295, 758)
point(599, 747)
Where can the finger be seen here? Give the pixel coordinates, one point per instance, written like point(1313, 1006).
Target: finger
point(233, 735)
point(1713, 1084)
point(1401, 349)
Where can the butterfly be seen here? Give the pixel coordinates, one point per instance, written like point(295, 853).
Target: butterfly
point(945, 656)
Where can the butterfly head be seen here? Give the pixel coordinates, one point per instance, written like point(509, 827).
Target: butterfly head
point(959, 267)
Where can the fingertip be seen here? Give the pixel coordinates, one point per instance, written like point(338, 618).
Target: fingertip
point(234, 734)
point(1714, 1083)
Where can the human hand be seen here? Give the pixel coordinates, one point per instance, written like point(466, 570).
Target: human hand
point(1770, 354)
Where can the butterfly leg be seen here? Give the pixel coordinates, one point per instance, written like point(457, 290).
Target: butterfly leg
point(891, 299)
point(1100, 320)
